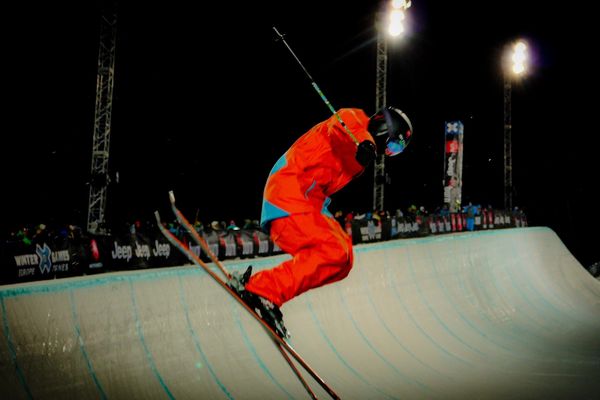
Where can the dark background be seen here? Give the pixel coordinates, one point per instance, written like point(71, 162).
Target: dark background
point(205, 101)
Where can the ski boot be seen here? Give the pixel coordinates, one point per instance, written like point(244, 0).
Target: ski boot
point(237, 281)
point(266, 309)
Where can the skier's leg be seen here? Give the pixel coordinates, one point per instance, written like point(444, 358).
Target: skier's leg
point(322, 254)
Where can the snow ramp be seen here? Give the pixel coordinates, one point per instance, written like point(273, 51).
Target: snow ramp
point(492, 314)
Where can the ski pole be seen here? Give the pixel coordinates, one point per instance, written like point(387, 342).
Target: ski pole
point(316, 87)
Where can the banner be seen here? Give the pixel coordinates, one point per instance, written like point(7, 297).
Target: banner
point(63, 256)
point(50, 258)
point(214, 244)
point(246, 244)
point(138, 250)
point(229, 244)
point(453, 158)
point(262, 243)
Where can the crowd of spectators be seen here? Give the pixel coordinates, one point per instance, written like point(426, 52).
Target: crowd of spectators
point(39, 233)
point(363, 226)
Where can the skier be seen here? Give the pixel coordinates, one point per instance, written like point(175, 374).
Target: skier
point(294, 211)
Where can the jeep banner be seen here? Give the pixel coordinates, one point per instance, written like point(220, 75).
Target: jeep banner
point(138, 250)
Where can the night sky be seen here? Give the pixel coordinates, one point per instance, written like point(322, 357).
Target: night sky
point(205, 101)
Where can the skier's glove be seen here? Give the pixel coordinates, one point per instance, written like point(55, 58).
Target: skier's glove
point(366, 153)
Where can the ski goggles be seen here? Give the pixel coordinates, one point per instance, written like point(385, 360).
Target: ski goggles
point(394, 147)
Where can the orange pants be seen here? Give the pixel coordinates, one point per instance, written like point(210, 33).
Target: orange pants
point(321, 251)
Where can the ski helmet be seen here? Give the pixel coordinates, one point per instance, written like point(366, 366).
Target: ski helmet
point(391, 129)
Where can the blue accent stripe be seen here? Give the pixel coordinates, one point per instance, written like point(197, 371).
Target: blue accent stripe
point(140, 332)
point(312, 186)
point(279, 164)
point(571, 313)
point(400, 243)
point(542, 327)
point(522, 335)
point(11, 349)
point(517, 333)
point(82, 346)
point(519, 290)
point(365, 339)
point(270, 212)
point(461, 315)
point(444, 326)
point(394, 336)
point(324, 210)
point(517, 329)
point(566, 346)
point(337, 354)
point(415, 323)
point(252, 349)
point(257, 263)
point(197, 343)
point(66, 284)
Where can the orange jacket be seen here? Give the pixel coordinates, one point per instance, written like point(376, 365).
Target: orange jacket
point(319, 163)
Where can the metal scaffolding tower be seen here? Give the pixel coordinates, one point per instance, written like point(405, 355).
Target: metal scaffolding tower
point(380, 101)
point(508, 184)
point(96, 222)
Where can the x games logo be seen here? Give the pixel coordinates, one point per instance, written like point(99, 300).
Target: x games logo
point(44, 255)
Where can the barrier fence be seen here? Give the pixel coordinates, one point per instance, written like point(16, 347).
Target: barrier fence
point(55, 258)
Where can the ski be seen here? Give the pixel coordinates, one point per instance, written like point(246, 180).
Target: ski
point(283, 346)
point(202, 243)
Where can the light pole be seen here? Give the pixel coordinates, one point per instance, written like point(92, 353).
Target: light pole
point(515, 65)
point(389, 22)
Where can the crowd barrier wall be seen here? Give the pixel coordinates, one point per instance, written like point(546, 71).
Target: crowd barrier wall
point(61, 257)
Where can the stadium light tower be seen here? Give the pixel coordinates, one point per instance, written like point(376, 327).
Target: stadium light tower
point(514, 66)
point(389, 22)
point(105, 77)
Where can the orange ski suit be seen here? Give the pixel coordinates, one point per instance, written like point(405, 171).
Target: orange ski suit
point(319, 163)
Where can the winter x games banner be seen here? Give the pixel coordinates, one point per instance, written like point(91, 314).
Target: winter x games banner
point(453, 165)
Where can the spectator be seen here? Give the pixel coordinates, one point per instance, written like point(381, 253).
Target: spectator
point(232, 226)
point(470, 210)
point(339, 217)
point(23, 236)
point(41, 234)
